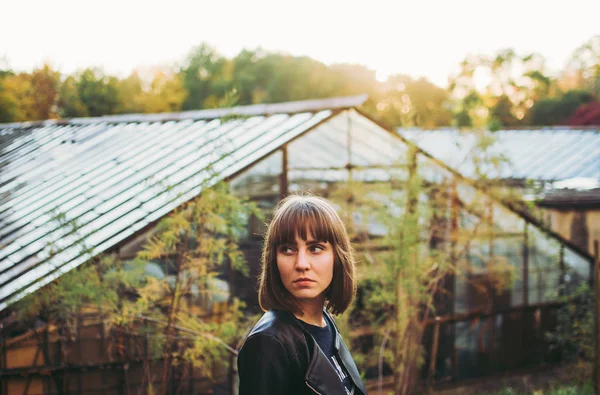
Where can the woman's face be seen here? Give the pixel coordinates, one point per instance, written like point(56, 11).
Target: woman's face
point(306, 268)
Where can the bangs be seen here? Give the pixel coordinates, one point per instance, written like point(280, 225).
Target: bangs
point(302, 219)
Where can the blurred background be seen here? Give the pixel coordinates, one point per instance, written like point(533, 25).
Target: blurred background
point(425, 64)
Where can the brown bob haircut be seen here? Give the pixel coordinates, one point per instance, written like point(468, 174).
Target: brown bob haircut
point(299, 215)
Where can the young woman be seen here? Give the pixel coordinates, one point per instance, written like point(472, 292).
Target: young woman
point(307, 274)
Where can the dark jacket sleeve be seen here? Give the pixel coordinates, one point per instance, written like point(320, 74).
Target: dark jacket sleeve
point(262, 366)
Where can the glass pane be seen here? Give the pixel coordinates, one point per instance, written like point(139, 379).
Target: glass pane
point(380, 175)
point(578, 268)
point(324, 147)
point(508, 261)
point(473, 347)
point(373, 145)
point(506, 220)
point(473, 288)
point(262, 179)
point(316, 181)
point(544, 267)
point(432, 172)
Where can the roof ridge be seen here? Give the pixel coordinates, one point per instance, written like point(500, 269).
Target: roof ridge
point(312, 105)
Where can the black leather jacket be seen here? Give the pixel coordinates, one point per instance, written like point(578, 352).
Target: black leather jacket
point(281, 357)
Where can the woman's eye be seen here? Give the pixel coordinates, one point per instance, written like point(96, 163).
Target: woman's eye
point(317, 248)
point(286, 250)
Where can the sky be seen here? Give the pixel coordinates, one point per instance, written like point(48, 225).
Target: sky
point(420, 38)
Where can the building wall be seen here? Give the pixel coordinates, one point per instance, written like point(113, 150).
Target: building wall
point(93, 360)
point(582, 227)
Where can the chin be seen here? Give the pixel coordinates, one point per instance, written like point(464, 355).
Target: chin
point(306, 295)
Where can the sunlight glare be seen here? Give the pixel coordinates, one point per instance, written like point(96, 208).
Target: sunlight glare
point(482, 78)
point(382, 75)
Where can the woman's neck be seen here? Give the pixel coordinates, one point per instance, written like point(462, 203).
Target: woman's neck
point(312, 312)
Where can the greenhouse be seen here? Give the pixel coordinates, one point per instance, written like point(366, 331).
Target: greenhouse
point(503, 275)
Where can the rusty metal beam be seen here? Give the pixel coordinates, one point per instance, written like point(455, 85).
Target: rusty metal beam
point(526, 264)
point(596, 365)
point(283, 185)
point(34, 364)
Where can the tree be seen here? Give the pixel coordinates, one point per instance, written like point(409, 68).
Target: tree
point(250, 76)
point(470, 109)
point(584, 65)
point(165, 94)
point(130, 89)
point(70, 104)
point(171, 286)
point(409, 102)
point(501, 113)
point(193, 244)
point(507, 86)
point(44, 91)
point(586, 115)
point(8, 104)
point(89, 93)
point(297, 78)
point(557, 111)
point(97, 92)
point(205, 76)
point(17, 90)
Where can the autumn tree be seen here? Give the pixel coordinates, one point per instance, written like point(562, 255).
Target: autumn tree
point(164, 94)
point(44, 92)
point(130, 89)
point(8, 103)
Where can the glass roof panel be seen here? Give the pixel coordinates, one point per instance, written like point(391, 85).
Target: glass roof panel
point(113, 178)
point(324, 147)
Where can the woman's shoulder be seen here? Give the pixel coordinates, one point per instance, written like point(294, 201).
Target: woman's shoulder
point(277, 326)
point(275, 323)
point(277, 332)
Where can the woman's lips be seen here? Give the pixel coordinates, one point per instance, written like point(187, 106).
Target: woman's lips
point(303, 282)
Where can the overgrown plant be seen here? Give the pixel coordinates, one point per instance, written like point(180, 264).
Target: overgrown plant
point(193, 245)
point(412, 248)
point(400, 273)
point(168, 294)
point(573, 337)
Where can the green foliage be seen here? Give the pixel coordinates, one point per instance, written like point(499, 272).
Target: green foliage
point(88, 93)
point(556, 111)
point(409, 102)
point(495, 91)
point(501, 112)
point(70, 104)
point(585, 65)
point(97, 92)
point(172, 285)
point(573, 337)
point(205, 77)
point(8, 105)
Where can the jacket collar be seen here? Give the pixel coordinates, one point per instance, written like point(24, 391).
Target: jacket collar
point(346, 357)
point(319, 363)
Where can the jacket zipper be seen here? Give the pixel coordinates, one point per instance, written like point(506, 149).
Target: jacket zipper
point(314, 390)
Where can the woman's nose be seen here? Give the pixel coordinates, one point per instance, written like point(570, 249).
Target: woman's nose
point(302, 261)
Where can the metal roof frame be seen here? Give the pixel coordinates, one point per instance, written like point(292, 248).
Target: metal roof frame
point(280, 128)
